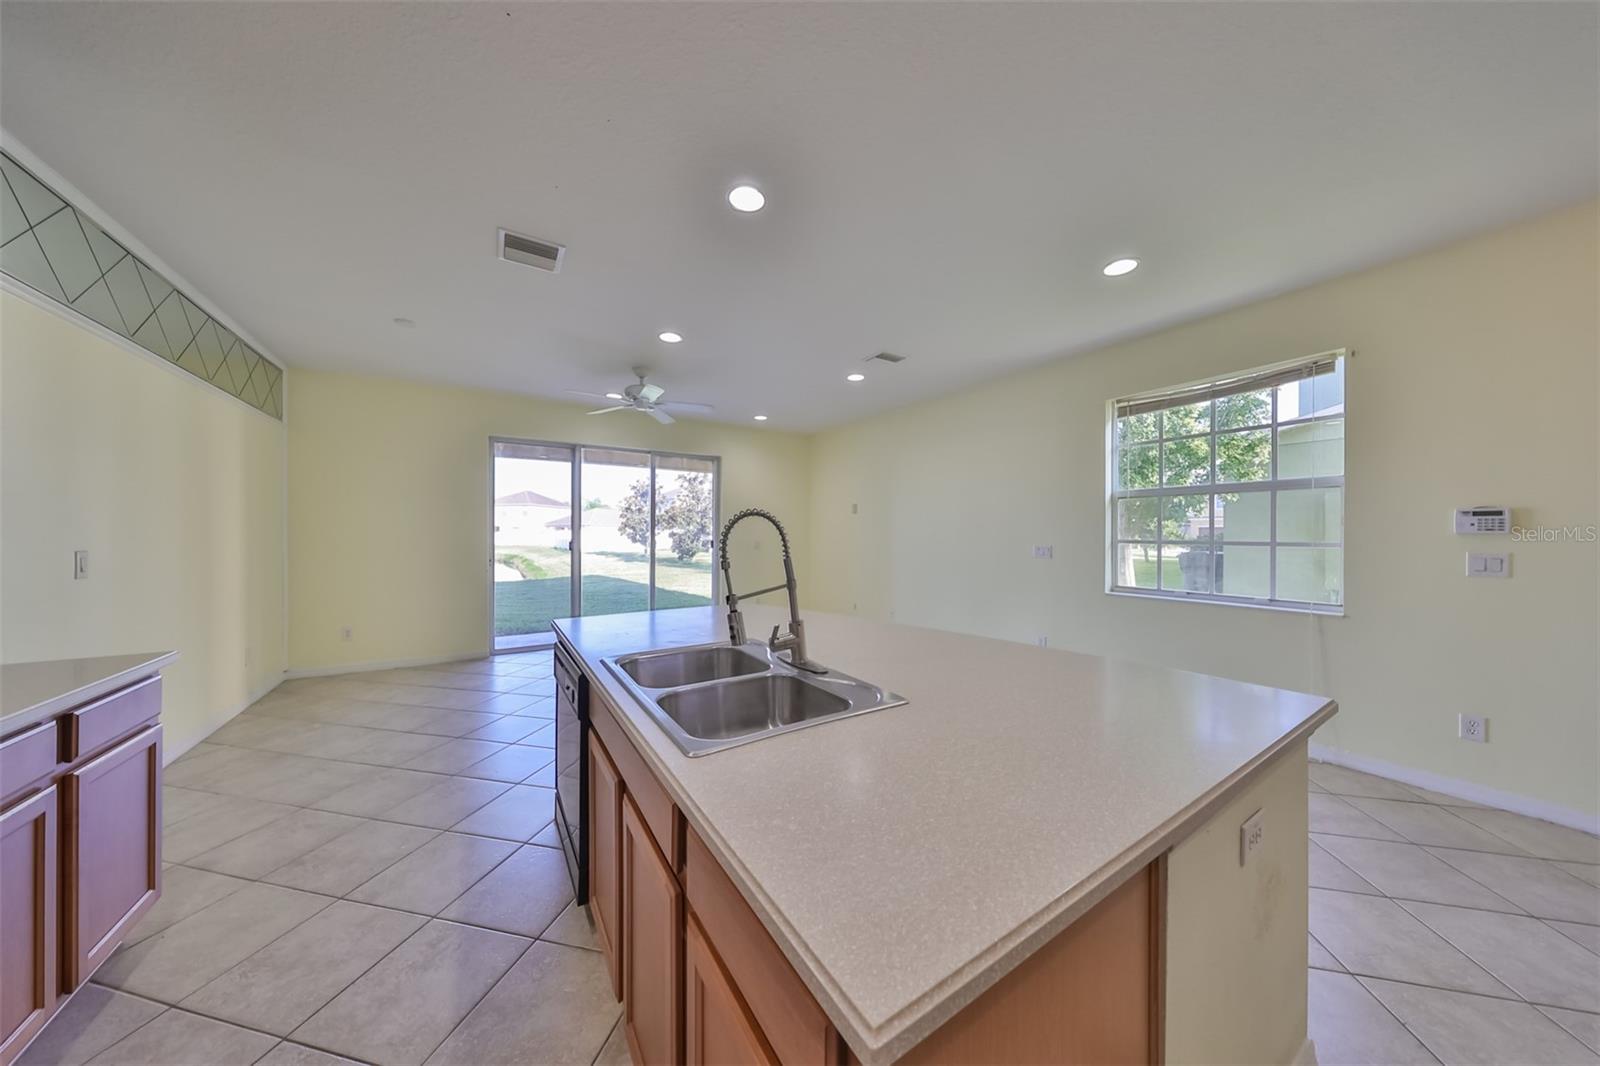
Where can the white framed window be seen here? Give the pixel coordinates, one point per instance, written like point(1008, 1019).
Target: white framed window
point(1232, 490)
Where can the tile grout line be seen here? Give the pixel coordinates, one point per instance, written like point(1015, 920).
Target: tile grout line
point(1453, 906)
point(1518, 911)
point(371, 818)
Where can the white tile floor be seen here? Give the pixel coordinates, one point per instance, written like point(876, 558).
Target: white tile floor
point(363, 868)
point(1444, 931)
point(360, 868)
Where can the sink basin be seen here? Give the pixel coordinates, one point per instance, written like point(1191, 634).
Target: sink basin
point(689, 666)
point(718, 696)
point(752, 705)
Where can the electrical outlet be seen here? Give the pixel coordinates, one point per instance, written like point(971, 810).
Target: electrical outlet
point(854, 509)
point(80, 565)
point(1042, 640)
point(346, 633)
point(1044, 551)
point(1252, 834)
point(1472, 727)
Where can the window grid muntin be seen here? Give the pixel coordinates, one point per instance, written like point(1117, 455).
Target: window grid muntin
point(1272, 485)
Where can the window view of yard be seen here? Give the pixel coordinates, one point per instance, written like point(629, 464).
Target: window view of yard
point(533, 536)
point(543, 590)
point(1239, 495)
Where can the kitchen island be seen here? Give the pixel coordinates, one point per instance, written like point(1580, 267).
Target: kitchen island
point(1038, 856)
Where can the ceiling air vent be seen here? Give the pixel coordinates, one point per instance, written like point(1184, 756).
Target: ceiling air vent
point(886, 357)
point(530, 251)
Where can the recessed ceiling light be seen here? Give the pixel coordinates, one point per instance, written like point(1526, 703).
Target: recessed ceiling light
point(670, 337)
point(1118, 267)
point(759, 418)
point(746, 198)
point(855, 377)
point(404, 323)
point(613, 395)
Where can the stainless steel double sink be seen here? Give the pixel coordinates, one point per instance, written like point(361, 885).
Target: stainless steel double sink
point(715, 696)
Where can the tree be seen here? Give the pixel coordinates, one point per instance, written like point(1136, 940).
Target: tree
point(684, 514)
point(1241, 457)
point(687, 518)
point(633, 520)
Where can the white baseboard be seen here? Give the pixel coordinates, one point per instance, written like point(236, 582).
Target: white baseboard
point(1307, 1055)
point(170, 752)
point(1467, 790)
point(389, 664)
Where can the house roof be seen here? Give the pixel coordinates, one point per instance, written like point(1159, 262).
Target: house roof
point(526, 498)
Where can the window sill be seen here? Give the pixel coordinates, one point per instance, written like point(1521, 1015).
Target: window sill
point(1329, 611)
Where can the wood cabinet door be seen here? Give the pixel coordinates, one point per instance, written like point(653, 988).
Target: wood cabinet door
point(652, 944)
point(717, 1025)
point(112, 836)
point(28, 920)
point(605, 857)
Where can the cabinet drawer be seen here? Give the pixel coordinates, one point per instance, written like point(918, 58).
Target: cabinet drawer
point(794, 1025)
point(27, 759)
point(659, 812)
point(110, 718)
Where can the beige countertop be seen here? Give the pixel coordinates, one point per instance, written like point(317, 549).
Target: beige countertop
point(905, 860)
point(32, 692)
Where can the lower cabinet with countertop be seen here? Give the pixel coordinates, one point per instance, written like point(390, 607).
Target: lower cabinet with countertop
point(80, 826)
point(1046, 870)
point(702, 981)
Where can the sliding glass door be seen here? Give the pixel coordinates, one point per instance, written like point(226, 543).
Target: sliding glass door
point(589, 530)
point(615, 522)
point(532, 573)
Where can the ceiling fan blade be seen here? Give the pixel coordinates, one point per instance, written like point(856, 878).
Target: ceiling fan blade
point(660, 416)
point(687, 407)
point(651, 393)
point(608, 410)
point(586, 395)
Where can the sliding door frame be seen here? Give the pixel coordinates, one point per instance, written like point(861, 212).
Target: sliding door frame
point(576, 514)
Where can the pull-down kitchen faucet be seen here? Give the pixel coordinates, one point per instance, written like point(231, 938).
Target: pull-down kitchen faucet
point(794, 642)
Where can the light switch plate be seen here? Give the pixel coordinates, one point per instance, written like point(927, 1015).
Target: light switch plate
point(80, 565)
point(1044, 551)
point(1488, 564)
point(1252, 834)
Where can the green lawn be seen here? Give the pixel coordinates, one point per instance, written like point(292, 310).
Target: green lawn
point(613, 582)
point(1144, 574)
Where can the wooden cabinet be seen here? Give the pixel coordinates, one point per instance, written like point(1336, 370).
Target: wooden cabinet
point(605, 857)
point(717, 1025)
point(652, 918)
point(703, 982)
point(112, 856)
point(80, 847)
point(28, 921)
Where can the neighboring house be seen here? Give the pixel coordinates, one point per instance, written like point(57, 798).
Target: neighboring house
point(524, 518)
point(600, 532)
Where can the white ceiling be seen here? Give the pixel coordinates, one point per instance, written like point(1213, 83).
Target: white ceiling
point(943, 181)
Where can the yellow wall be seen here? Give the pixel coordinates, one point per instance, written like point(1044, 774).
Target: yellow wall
point(1474, 382)
point(176, 492)
point(389, 507)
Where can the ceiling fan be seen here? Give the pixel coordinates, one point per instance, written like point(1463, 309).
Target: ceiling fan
point(645, 398)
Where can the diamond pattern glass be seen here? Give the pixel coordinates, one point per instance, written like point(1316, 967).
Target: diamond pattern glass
point(56, 250)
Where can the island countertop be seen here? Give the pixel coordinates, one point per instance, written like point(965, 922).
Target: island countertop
point(32, 692)
point(905, 860)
